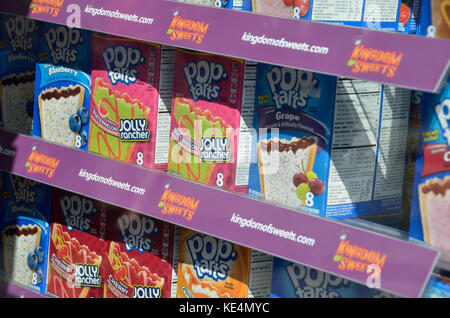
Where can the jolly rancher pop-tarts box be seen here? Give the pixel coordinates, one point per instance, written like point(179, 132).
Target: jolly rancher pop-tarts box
point(76, 248)
point(138, 256)
point(211, 107)
point(63, 85)
point(129, 120)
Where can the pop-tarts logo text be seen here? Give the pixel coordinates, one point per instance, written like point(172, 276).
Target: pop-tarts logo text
point(77, 211)
point(121, 63)
point(135, 230)
point(202, 78)
point(61, 42)
point(19, 30)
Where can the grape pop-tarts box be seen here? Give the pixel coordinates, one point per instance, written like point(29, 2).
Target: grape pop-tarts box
point(430, 211)
point(293, 120)
point(18, 45)
point(292, 280)
point(125, 102)
point(207, 128)
point(63, 86)
point(25, 231)
point(139, 254)
point(76, 248)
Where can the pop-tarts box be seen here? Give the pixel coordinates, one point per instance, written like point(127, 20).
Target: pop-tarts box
point(241, 5)
point(25, 231)
point(18, 44)
point(430, 211)
point(292, 280)
point(63, 86)
point(293, 122)
point(76, 246)
point(434, 19)
point(366, 14)
point(138, 256)
point(438, 287)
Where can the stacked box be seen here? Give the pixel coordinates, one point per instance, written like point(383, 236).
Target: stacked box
point(430, 211)
point(76, 248)
point(292, 280)
point(138, 257)
point(63, 86)
point(210, 267)
point(357, 13)
point(130, 119)
point(18, 44)
point(211, 111)
point(25, 230)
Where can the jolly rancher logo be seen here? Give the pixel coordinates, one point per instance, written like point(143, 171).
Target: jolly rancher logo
point(51, 7)
point(41, 164)
point(175, 203)
point(369, 60)
point(186, 29)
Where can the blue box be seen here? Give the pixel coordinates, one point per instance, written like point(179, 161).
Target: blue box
point(25, 230)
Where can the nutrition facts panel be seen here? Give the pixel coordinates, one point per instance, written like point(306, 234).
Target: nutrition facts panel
point(337, 10)
point(369, 138)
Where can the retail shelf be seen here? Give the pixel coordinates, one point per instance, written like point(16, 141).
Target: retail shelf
point(402, 60)
point(335, 247)
point(12, 290)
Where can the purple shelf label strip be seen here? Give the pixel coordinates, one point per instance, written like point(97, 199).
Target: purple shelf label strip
point(369, 258)
point(398, 59)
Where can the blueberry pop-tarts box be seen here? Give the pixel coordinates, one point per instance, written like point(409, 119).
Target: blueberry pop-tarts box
point(18, 44)
point(211, 108)
point(430, 211)
point(138, 256)
point(127, 113)
point(25, 231)
point(76, 247)
point(293, 121)
point(241, 5)
point(292, 280)
point(357, 13)
point(63, 86)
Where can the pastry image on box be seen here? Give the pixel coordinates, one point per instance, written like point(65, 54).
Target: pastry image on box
point(67, 254)
point(434, 200)
point(56, 107)
point(17, 93)
point(18, 241)
point(291, 157)
point(110, 107)
point(272, 7)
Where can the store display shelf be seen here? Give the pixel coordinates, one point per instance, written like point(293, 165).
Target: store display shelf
point(402, 60)
point(354, 253)
point(13, 290)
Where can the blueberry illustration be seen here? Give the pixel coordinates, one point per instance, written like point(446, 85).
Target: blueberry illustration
point(84, 115)
point(84, 137)
point(40, 254)
point(39, 276)
point(30, 108)
point(32, 260)
point(75, 123)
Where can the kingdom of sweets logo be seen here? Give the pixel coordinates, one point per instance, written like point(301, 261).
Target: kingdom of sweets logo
point(77, 211)
point(61, 42)
point(135, 230)
point(211, 256)
point(203, 77)
point(121, 63)
point(292, 87)
point(19, 30)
